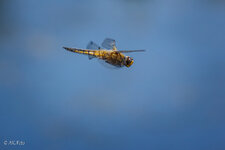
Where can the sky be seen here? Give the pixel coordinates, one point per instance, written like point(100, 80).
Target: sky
point(172, 97)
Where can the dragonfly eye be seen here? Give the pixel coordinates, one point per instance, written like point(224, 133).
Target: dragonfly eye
point(129, 61)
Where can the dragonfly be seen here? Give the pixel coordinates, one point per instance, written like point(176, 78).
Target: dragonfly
point(108, 53)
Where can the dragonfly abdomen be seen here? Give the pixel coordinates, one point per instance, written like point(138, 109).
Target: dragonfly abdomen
point(81, 51)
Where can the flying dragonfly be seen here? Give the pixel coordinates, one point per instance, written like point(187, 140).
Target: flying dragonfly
point(108, 53)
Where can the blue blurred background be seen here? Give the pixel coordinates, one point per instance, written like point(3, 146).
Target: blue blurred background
point(173, 97)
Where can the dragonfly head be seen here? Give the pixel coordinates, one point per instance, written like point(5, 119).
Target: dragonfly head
point(128, 61)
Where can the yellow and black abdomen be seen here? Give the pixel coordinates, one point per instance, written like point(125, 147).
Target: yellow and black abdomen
point(82, 51)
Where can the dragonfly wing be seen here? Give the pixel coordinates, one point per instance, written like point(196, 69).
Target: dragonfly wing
point(107, 65)
point(109, 44)
point(92, 45)
point(130, 51)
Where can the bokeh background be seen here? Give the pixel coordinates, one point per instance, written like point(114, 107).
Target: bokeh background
point(173, 97)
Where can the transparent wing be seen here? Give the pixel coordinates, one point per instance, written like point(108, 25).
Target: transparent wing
point(107, 65)
point(109, 43)
point(130, 51)
point(92, 45)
